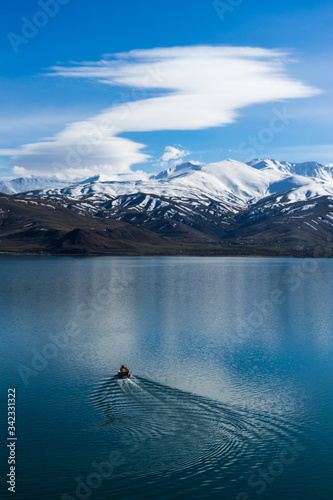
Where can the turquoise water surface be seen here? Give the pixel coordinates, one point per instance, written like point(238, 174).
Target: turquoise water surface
point(232, 371)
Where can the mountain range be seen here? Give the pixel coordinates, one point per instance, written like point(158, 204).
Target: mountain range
point(264, 207)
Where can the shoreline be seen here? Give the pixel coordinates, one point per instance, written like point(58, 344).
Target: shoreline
point(250, 256)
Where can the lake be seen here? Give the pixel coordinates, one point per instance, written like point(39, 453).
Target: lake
point(231, 394)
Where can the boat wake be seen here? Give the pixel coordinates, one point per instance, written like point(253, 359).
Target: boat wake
point(163, 432)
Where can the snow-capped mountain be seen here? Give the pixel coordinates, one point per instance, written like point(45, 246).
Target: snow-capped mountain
point(24, 184)
point(278, 207)
point(208, 198)
point(306, 169)
point(233, 181)
point(231, 184)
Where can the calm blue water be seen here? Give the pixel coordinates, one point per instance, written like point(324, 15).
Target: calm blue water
point(231, 395)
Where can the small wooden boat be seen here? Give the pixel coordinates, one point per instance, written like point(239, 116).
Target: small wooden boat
point(124, 372)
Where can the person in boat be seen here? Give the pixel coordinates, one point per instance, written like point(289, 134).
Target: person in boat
point(124, 371)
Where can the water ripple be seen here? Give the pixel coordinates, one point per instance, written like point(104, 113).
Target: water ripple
point(175, 433)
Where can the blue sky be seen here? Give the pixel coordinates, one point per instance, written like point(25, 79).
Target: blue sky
point(242, 79)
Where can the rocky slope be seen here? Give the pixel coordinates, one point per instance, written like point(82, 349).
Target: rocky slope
point(265, 207)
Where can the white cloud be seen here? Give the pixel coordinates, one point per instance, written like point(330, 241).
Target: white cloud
point(194, 88)
point(195, 162)
point(20, 171)
point(173, 153)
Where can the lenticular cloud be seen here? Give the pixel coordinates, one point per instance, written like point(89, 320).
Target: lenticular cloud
point(178, 88)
